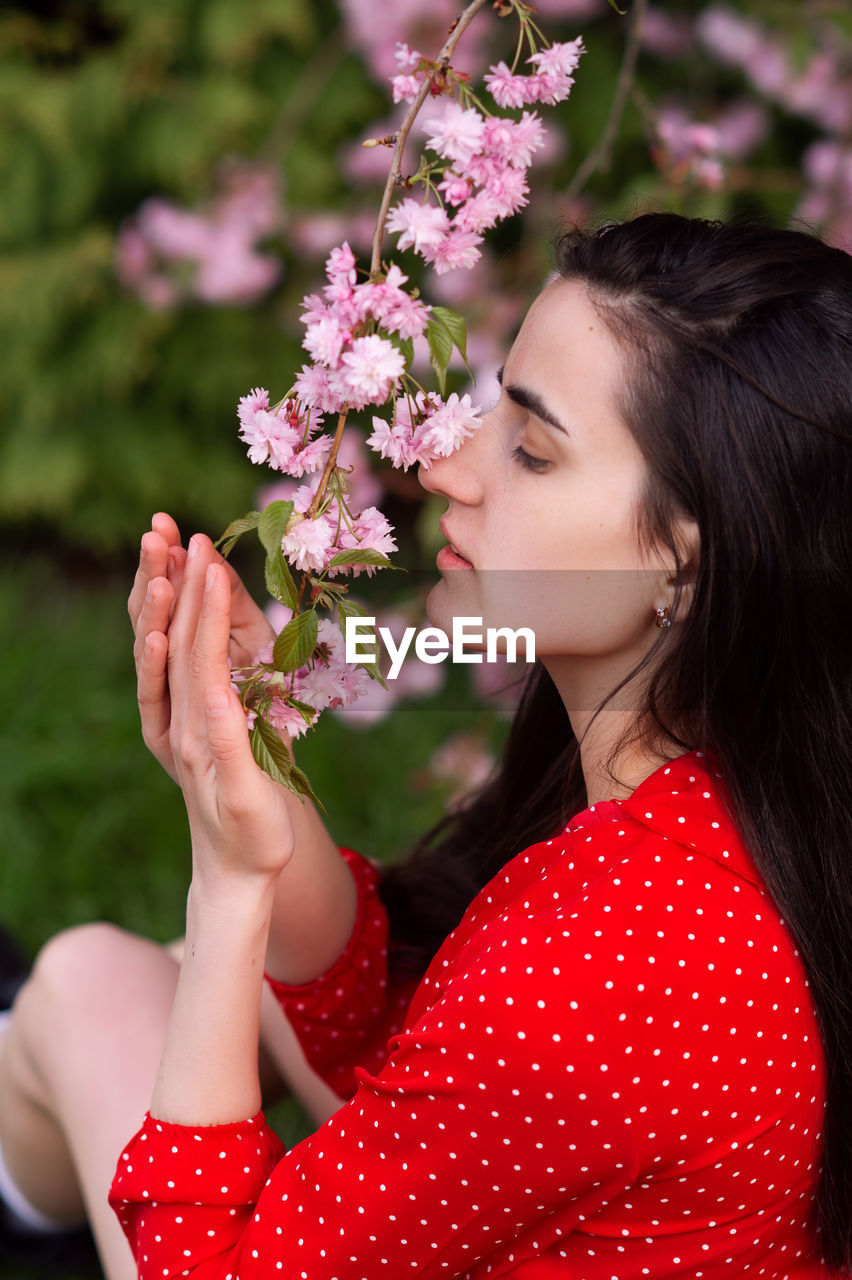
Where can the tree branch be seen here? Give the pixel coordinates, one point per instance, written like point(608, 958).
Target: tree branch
point(441, 64)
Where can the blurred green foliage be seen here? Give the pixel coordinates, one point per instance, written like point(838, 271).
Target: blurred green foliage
point(110, 410)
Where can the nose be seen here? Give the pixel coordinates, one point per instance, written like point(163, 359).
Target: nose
point(463, 475)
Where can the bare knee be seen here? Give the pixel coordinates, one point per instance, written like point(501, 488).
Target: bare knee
point(77, 967)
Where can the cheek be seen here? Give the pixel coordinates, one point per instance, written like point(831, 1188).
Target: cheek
point(582, 612)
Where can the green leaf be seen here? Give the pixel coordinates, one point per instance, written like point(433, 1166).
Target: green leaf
point(270, 752)
point(279, 580)
point(302, 786)
point(365, 556)
point(349, 609)
point(309, 713)
point(272, 523)
point(235, 531)
point(440, 349)
point(295, 644)
point(456, 326)
point(406, 346)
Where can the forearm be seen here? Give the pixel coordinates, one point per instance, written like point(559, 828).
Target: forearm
point(315, 903)
point(208, 1074)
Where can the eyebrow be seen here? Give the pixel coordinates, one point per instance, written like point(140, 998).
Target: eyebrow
point(528, 399)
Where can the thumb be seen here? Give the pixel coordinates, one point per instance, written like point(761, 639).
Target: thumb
point(227, 728)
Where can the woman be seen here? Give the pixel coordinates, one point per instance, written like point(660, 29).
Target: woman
point(633, 1056)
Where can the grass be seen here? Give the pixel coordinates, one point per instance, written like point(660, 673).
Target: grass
point(93, 828)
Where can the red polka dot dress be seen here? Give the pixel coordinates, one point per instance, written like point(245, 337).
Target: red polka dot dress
point(611, 1070)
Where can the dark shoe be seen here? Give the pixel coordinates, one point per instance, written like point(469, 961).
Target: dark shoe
point(14, 968)
point(61, 1252)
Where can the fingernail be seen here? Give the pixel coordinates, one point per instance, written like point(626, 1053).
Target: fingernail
point(192, 549)
point(210, 577)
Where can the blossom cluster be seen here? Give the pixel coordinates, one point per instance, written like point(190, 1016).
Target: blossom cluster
point(327, 682)
point(166, 254)
point(360, 330)
point(482, 159)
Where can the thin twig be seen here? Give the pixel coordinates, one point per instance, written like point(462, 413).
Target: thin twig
point(329, 464)
point(600, 157)
point(442, 62)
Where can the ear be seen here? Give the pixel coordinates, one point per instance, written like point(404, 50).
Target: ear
point(681, 582)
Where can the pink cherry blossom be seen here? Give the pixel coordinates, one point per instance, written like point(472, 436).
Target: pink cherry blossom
point(405, 88)
point(340, 266)
point(478, 213)
point(458, 249)
point(509, 90)
point(257, 398)
point(324, 340)
point(422, 225)
point(514, 141)
point(309, 544)
point(457, 134)
point(406, 59)
point(401, 443)
point(310, 457)
point(314, 388)
point(271, 436)
point(388, 303)
point(559, 59)
point(551, 88)
point(286, 720)
point(508, 191)
point(450, 424)
point(371, 369)
point(370, 529)
point(455, 188)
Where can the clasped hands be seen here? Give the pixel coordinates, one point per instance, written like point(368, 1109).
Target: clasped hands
point(193, 619)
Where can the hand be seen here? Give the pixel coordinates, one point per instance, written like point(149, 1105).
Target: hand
point(238, 817)
point(156, 588)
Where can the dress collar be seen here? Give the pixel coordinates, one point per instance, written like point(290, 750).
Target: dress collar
point(684, 801)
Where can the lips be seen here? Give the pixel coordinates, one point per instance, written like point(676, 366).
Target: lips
point(454, 546)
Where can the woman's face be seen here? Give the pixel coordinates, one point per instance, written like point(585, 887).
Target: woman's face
point(544, 500)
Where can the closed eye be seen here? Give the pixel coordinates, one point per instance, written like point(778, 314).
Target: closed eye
point(538, 465)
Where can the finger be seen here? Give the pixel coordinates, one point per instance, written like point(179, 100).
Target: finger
point(153, 562)
point(187, 580)
point(210, 660)
point(184, 625)
point(209, 666)
point(152, 690)
point(154, 614)
point(163, 524)
point(153, 558)
point(176, 568)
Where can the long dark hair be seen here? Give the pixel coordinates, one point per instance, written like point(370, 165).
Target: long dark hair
point(738, 346)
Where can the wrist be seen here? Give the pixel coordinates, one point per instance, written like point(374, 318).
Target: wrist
point(230, 895)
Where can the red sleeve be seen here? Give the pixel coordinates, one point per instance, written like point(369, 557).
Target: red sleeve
point(471, 1140)
point(344, 1018)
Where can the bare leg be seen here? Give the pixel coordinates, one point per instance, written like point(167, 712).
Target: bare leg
point(77, 1072)
point(77, 1069)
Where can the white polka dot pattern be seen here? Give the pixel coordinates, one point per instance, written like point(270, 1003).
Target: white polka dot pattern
point(344, 1018)
point(611, 1070)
